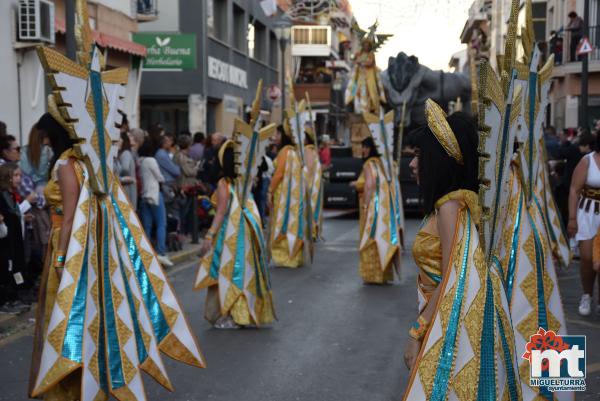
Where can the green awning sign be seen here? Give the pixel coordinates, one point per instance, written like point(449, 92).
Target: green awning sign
point(168, 51)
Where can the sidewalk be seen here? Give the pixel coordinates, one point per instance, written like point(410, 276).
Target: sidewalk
point(12, 324)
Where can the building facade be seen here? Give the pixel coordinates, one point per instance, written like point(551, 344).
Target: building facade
point(21, 73)
point(230, 46)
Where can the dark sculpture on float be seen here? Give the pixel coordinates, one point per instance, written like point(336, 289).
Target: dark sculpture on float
point(405, 80)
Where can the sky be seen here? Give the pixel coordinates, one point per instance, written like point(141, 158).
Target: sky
point(428, 29)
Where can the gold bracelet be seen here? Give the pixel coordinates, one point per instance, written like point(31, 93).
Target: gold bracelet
point(419, 329)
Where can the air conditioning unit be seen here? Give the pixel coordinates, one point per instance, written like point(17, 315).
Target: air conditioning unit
point(36, 21)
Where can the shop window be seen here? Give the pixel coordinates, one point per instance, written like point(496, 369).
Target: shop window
point(239, 34)
point(260, 42)
point(210, 17)
point(220, 22)
point(539, 21)
point(273, 53)
point(251, 40)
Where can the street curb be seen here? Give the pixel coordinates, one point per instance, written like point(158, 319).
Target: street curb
point(183, 255)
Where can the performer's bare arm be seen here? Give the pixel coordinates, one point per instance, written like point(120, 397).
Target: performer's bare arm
point(577, 184)
point(69, 188)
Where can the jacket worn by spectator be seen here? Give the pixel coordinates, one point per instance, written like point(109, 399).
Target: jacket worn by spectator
point(189, 170)
point(151, 179)
point(168, 168)
point(12, 256)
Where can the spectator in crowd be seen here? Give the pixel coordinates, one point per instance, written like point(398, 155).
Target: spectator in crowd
point(325, 152)
point(10, 151)
point(261, 190)
point(210, 164)
point(155, 134)
point(171, 172)
point(164, 156)
point(36, 156)
point(136, 139)
point(197, 149)
point(187, 181)
point(571, 153)
point(556, 47)
point(575, 26)
point(552, 142)
point(152, 204)
point(127, 170)
point(3, 131)
point(12, 258)
point(124, 127)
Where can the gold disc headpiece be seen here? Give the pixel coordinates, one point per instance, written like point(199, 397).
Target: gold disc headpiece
point(436, 120)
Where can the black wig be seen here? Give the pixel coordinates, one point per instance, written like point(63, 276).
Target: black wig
point(59, 138)
point(368, 142)
point(228, 164)
point(439, 173)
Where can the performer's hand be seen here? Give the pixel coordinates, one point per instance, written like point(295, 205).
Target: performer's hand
point(572, 228)
point(411, 352)
point(59, 272)
point(205, 247)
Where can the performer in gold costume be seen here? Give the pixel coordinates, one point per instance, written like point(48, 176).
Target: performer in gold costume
point(291, 235)
point(235, 271)
point(461, 346)
point(106, 308)
point(365, 89)
point(379, 236)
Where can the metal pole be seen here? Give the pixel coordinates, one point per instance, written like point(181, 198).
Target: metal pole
point(282, 46)
point(70, 28)
point(583, 119)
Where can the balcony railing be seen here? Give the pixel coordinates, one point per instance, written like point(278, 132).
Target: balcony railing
point(564, 47)
point(147, 10)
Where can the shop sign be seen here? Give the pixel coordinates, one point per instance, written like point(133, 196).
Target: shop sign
point(221, 71)
point(168, 51)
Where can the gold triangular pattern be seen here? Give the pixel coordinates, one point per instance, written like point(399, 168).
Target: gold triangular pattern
point(170, 314)
point(466, 381)
point(57, 336)
point(123, 332)
point(129, 370)
point(157, 283)
point(426, 373)
point(93, 366)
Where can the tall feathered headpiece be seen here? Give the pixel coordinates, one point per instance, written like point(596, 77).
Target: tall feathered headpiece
point(498, 114)
point(295, 118)
point(250, 144)
point(381, 128)
point(92, 121)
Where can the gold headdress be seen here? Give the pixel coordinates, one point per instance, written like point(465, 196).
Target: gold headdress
point(436, 120)
point(226, 145)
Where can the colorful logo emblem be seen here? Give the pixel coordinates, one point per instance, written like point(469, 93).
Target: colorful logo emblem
point(557, 363)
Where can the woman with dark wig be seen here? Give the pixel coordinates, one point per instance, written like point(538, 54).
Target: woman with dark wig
point(379, 239)
point(234, 266)
point(462, 342)
point(287, 203)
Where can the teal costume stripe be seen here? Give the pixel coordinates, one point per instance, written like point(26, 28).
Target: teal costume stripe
point(139, 340)
point(376, 215)
point(317, 211)
point(73, 341)
point(435, 277)
point(114, 349)
point(159, 322)
point(393, 222)
point(240, 256)
point(101, 342)
point(514, 251)
point(508, 361)
point(215, 263)
point(486, 389)
point(442, 375)
point(98, 97)
point(286, 212)
point(540, 264)
point(301, 215)
point(500, 173)
point(256, 227)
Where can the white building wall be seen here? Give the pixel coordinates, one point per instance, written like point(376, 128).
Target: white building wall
point(126, 7)
point(168, 18)
point(21, 77)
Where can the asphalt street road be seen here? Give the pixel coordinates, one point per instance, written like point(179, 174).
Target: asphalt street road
point(336, 339)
